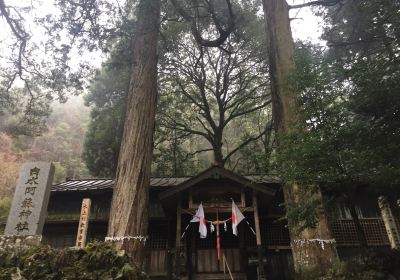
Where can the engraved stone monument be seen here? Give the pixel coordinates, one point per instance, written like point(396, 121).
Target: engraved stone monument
point(29, 205)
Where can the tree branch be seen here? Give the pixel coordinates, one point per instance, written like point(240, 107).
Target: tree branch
point(19, 33)
point(249, 140)
point(223, 34)
point(326, 3)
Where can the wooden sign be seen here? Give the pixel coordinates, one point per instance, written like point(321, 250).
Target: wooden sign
point(29, 207)
point(83, 223)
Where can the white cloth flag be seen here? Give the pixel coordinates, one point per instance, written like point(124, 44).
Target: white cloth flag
point(199, 217)
point(237, 217)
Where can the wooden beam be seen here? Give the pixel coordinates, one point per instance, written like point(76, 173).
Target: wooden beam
point(178, 224)
point(178, 238)
point(191, 198)
point(261, 272)
point(243, 198)
point(256, 219)
point(192, 211)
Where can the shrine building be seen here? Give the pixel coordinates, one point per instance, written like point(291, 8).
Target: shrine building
point(174, 245)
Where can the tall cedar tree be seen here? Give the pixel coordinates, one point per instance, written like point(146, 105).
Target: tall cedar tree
point(129, 215)
point(281, 51)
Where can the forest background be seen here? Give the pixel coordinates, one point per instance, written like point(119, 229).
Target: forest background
point(348, 95)
point(61, 134)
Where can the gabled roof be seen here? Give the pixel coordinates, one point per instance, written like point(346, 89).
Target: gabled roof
point(217, 172)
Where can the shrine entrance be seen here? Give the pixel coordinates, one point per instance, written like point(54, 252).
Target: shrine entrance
point(206, 258)
point(204, 253)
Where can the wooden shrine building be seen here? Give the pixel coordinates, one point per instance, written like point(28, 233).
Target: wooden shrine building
point(174, 246)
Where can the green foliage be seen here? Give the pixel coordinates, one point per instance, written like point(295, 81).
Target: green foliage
point(375, 265)
point(107, 96)
point(59, 172)
point(348, 135)
point(5, 205)
point(97, 261)
point(304, 214)
point(365, 56)
point(337, 144)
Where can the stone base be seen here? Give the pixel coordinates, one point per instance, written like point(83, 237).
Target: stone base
point(8, 241)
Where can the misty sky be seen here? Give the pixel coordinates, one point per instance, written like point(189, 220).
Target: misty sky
point(304, 27)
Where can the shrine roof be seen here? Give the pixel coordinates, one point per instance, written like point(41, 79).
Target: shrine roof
point(162, 182)
point(101, 184)
point(258, 183)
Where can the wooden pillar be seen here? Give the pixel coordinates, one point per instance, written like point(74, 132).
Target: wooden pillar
point(261, 272)
point(168, 256)
point(83, 223)
point(390, 222)
point(177, 270)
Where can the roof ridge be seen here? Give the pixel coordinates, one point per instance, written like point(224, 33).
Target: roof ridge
point(88, 179)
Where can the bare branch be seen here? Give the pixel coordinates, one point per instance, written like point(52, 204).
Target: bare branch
point(248, 111)
point(248, 140)
point(223, 33)
point(19, 33)
point(326, 3)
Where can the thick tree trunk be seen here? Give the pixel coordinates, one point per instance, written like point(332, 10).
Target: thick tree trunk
point(281, 51)
point(217, 148)
point(312, 247)
point(129, 215)
point(307, 249)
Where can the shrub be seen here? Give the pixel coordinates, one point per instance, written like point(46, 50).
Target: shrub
point(376, 264)
point(98, 261)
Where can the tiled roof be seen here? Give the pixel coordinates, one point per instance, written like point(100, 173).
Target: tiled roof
point(101, 184)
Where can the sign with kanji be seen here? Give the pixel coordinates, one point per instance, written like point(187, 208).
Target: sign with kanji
point(29, 205)
point(83, 223)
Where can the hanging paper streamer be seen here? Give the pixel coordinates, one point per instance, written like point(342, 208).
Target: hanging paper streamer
point(212, 228)
point(225, 228)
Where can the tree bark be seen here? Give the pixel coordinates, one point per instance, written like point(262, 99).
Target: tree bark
point(306, 253)
point(281, 61)
point(312, 248)
point(129, 215)
point(217, 148)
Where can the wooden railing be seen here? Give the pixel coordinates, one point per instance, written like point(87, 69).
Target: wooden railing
point(345, 233)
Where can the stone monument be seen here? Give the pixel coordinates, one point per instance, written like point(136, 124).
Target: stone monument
point(29, 205)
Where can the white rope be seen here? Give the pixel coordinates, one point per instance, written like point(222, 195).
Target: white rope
point(322, 242)
point(127, 237)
